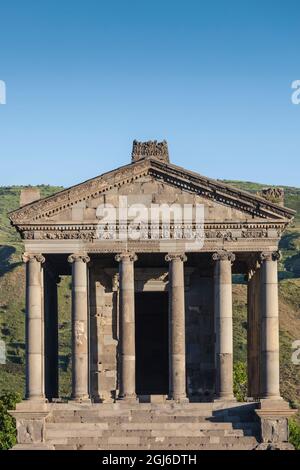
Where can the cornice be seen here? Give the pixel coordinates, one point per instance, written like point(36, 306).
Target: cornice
point(255, 206)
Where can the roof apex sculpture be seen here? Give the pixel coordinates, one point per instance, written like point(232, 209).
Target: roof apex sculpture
point(151, 148)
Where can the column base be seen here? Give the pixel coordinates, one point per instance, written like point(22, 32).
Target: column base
point(84, 399)
point(36, 400)
point(128, 398)
point(227, 397)
point(273, 416)
point(181, 399)
point(273, 403)
point(274, 398)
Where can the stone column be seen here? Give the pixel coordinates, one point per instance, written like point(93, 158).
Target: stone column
point(34, 327)
point(80, 376)
point(253, 332)
point(127, 326)
point(51, 332)
point(269, 326)
point(223, 324)
point(251, 369)
point(177, 374)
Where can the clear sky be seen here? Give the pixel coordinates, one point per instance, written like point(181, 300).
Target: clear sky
point(85, 78)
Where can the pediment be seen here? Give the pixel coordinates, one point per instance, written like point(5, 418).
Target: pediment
point(150, 181)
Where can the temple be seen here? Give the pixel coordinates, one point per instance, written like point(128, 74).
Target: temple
point(152, 335)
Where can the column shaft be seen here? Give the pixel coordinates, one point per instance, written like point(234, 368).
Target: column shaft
point(127, 327)
point(34, 327)
point(253, 334)
point(223, 324)
point(177, 376)
point(250, 332)
point(80, 377)
point(269, 327)
point(51, 334)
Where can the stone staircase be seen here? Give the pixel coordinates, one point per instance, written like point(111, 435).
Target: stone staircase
point(121, 426)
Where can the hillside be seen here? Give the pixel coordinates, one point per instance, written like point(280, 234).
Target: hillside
point(12, 308)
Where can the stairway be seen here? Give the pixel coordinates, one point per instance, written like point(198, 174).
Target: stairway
point(120, 426)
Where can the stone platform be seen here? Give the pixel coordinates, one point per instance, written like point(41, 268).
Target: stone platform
point(140, 426)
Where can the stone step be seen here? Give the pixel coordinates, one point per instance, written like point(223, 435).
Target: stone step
point(179, 447)
point(60, 438)
point(96, 429)
point(152, 427)
point(135, 443)
point(131, 418)
point(146, 416)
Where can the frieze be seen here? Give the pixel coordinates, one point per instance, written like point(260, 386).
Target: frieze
point(146, 233)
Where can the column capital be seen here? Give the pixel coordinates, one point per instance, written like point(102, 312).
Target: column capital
point(223, 256)
point(82, 258)
point(33, 257)
point(176, 256)
point(126, 256)
point(270, 256)
point(249, 275)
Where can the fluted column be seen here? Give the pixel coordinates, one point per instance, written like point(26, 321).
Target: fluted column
point(80, 387)
point(269, 326)
point(34, 327)
point(177, 376)
point(223, 324)
point(127, 326)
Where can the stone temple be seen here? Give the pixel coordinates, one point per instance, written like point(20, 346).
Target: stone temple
point(152, 339)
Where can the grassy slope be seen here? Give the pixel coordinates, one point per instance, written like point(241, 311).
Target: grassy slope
point(12, 301)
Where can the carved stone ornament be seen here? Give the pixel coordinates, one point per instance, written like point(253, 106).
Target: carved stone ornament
point(33, 257)
point(270, 256)
point(223, 256)
point(176, 256)
point(275, 195)
point(74, 258)
point(126, 256)
point(152, 148)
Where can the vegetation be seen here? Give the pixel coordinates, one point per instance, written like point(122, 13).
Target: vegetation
point(8, 433)
point(240, 381)
point(294, 428)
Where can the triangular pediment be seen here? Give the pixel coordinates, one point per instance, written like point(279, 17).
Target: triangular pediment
point(150, 180)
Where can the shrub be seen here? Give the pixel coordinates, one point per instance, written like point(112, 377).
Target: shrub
point(294, 429)
point(240, 381)
point(8, 432)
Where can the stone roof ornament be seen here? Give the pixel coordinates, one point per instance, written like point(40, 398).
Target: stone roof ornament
point(275, 195)
point(152, 148)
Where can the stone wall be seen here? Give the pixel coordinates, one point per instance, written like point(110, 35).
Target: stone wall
point(104, 328)
point(200, 336)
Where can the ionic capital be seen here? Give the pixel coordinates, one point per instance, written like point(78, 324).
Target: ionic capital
point(270, 256)
point(176, 256)
point(33, 257)
point(78, 258)
point(126, 256)
point(223, 256)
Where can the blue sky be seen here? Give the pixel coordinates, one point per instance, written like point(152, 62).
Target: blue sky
point(85, 78)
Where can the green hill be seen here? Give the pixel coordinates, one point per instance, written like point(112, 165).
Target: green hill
point(12, 308)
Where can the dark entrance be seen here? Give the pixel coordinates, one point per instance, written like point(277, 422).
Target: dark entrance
point(152, 344)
